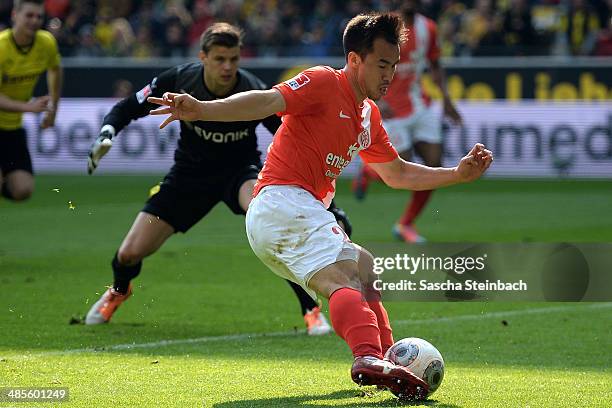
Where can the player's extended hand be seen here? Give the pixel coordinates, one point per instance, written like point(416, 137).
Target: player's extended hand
point(475, 163)
point(100, 147)
point(178, 106)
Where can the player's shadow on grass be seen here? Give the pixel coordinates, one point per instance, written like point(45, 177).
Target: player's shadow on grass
point(358, 400)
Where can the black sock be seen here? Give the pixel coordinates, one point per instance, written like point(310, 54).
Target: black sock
point(306, 302)
point(124, 274)
point(6, 193)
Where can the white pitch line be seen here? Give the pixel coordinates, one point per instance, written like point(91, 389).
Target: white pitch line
point(507, 313)
point(248, 336)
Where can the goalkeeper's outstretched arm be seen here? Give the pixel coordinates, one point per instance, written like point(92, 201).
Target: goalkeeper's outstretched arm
point(125, 111)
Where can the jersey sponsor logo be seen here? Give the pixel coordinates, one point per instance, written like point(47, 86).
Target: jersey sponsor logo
point(343, 116)
point(16, 79)
point(336, 161)
point(219, 137)
point(142, 95)
point(331, 174)
point(339, 162)
point(353, 150)
point(298, 81)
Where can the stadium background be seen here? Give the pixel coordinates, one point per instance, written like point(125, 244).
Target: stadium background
point(531, 77)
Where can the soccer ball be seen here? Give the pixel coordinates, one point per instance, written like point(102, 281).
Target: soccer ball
point(421, 358)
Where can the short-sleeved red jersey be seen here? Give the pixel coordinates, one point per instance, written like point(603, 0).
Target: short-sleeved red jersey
point(324, 128)
point(405, 95)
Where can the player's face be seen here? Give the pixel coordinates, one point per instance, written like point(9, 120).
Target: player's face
point(28, 18)
point(377, 69)
point(221, 64)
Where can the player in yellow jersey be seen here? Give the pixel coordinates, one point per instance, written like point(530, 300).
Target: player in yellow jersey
point(26, 52)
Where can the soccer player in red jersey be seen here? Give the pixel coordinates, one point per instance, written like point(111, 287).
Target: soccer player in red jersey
point(328, 118)
point(409, 119)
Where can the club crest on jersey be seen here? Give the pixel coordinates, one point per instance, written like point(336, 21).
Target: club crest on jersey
point(298, 81)
point(364, 139)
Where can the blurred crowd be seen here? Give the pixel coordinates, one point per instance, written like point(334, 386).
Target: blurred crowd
point(171, 28)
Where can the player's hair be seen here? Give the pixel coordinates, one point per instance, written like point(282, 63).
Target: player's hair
point(17, 4)
point(362, 30)
point(222, 34)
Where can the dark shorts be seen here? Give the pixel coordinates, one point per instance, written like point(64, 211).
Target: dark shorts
point(14, 154)
point(185, 197)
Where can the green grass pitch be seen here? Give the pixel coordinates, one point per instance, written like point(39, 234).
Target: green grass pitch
point(209, 326)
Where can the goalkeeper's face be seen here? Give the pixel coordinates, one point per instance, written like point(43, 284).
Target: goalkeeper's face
point(221, 65)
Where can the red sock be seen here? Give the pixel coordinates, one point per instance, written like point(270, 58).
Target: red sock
point(355, 322)
point(416, 205)
point(370, 173)
point(384, 327)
